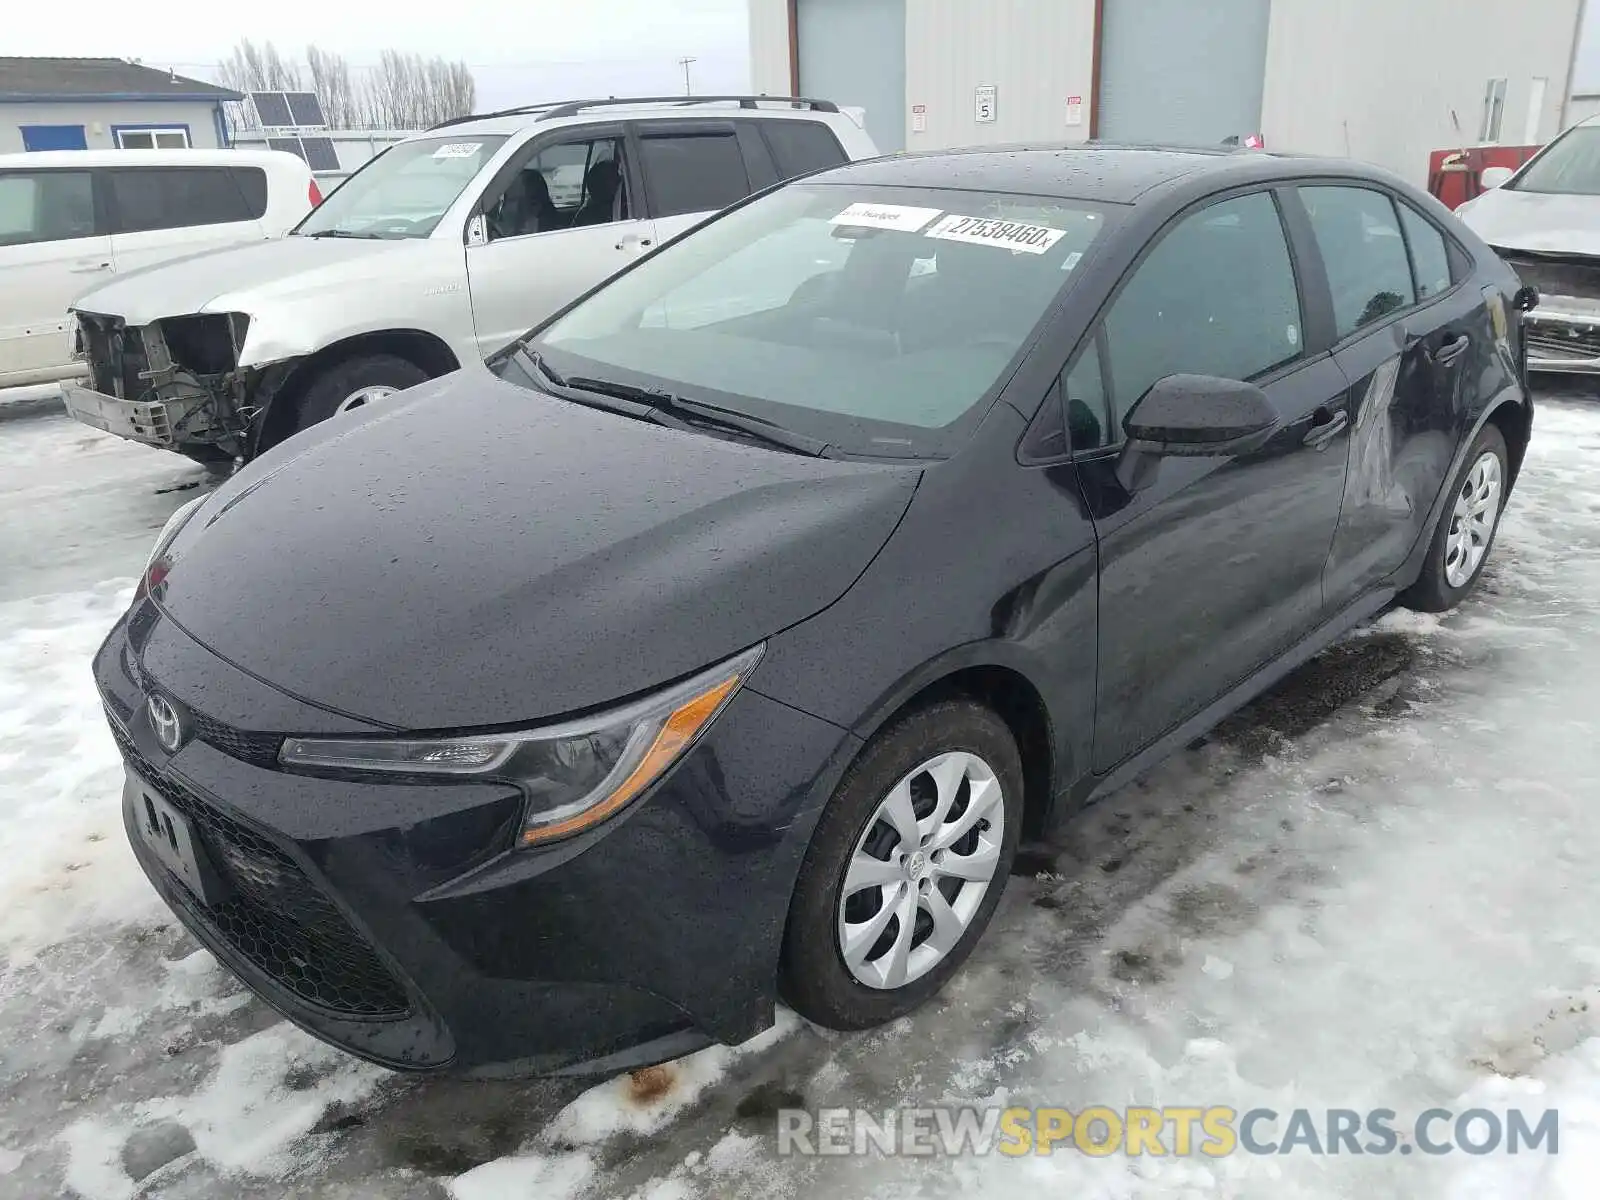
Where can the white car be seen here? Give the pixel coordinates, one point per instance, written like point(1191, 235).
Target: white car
point(443, 249)
point(1544, 220)
point(72, 219)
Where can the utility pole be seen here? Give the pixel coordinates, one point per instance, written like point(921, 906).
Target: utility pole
point(684, 63)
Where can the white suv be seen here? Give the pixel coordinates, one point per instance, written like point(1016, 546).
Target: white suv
point(443, 249)
point(72, 219)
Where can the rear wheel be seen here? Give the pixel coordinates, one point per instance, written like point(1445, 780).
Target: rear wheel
point(368, 379)
point(1466, 530)
point(905, 868)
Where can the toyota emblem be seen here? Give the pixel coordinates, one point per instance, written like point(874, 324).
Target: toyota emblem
point(165, 722)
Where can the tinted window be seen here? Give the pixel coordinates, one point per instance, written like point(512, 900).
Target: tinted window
point(1088, 414)
point(799, 147)
point(1359, 237)
point(1215, 297)
point(252, 184)
point(698, 172)
point(146, 198)
point(45, 206)
point(1430, 259)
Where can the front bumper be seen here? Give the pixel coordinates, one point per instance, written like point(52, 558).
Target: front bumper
point(1563, 334)
point(395, 921)
point(153, 422)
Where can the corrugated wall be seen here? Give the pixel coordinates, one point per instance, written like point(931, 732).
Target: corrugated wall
point(1379, 80)
point(769, 47)
point(1036, 53)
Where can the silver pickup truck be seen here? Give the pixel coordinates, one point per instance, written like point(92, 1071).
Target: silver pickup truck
point(443, 249)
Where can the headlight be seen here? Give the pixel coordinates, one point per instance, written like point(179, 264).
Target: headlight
point(154, 573)
point(575, 774)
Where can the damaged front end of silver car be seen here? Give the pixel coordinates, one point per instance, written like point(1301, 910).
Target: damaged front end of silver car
point(174, 383)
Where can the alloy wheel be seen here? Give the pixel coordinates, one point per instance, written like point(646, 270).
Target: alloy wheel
point(1472, 521)
point(366, 395)
point(920, 870)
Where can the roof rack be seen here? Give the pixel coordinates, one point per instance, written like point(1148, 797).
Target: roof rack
point(571, 108)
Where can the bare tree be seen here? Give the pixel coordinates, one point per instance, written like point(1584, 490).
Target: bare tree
point(404, 91)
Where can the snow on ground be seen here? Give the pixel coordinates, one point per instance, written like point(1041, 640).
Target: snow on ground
point(1374, 888)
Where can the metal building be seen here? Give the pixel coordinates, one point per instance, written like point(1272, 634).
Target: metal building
point(1382, 80)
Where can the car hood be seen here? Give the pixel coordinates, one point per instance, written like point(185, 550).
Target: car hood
point(240, 278)
point(1542, 222)
point(474, 553)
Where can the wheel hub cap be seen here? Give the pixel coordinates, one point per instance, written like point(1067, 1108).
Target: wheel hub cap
point(1473, 519)
point(366, 395)
point(921, 868)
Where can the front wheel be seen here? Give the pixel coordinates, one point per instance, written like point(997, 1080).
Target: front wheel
point(1466, 530)
point(368, 379)
point(905, 868)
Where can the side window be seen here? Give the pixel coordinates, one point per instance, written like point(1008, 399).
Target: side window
point(799, 147)
point(45, 206)
point(1430, 258)
point(692, 172)
point(252, 184)
point(1359, 237)
point(150, 198)
point(1216, 296)
point(566, 185)
point(1088, 414)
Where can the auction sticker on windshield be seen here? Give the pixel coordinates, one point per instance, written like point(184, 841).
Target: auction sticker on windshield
point(458, 150)
point(885, 216)
point(986, 231)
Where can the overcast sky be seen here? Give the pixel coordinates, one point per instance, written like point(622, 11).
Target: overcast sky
point(520, 52)
point(524, 52)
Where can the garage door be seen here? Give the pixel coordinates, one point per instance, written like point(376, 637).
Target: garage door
point(1182, 72)
point(854, 52)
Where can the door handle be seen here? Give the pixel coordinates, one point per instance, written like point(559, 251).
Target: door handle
point(1325, 426)
point(1452, 350)
point(88, 268)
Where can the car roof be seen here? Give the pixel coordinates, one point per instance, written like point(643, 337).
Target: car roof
point(148, 158)
point(1092, 171)
point(515, 122)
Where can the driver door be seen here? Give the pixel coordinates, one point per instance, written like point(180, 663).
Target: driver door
point(555, 221)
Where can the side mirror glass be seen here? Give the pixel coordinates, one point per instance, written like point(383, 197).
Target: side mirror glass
point(1493, 177)
point(1192, 416)
point(478, 231)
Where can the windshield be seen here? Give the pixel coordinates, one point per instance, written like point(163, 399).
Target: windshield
point(403, 192)
point(1571, 165)
point(875, 319)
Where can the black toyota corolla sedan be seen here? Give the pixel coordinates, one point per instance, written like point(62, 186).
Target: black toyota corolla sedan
point(718, 642)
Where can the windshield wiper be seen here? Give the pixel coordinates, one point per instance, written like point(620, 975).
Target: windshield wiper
point(681, 410)
point(344, 233)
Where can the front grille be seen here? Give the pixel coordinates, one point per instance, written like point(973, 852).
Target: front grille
point(1556, 276)
point(260, 749)
point(277, 918)
point(1577, 342)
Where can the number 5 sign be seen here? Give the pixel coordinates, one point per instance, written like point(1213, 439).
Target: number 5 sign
point(984, 104)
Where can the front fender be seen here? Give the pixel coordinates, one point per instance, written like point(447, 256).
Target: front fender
point(299, 326)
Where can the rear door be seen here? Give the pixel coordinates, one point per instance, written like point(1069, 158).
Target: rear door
point(1215, 568)
point(693, 169)
point(1411, 334)
point(559, 217)
point(54, 245)
point(162, 213)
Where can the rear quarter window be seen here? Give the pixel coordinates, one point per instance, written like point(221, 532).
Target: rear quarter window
point(150, 198)
point(800, 147)
point(252, 185)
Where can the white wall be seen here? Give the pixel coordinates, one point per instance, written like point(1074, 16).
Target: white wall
point(1379, 79)
point(97, 118)
point(1036, 53)
point(769, 47)
point(1582, 106)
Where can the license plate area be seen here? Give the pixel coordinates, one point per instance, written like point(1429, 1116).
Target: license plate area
point(171, 838)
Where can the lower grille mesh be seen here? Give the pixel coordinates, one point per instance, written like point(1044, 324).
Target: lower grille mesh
point(277, 918)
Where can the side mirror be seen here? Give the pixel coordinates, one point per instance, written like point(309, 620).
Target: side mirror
point(1192, 416)
point(1493, 177)
point(478, 231)
point(1526, 298)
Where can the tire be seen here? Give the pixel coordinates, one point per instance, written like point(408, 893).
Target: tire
point(814, 976)
point(1442, 586)
point(332, 389)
